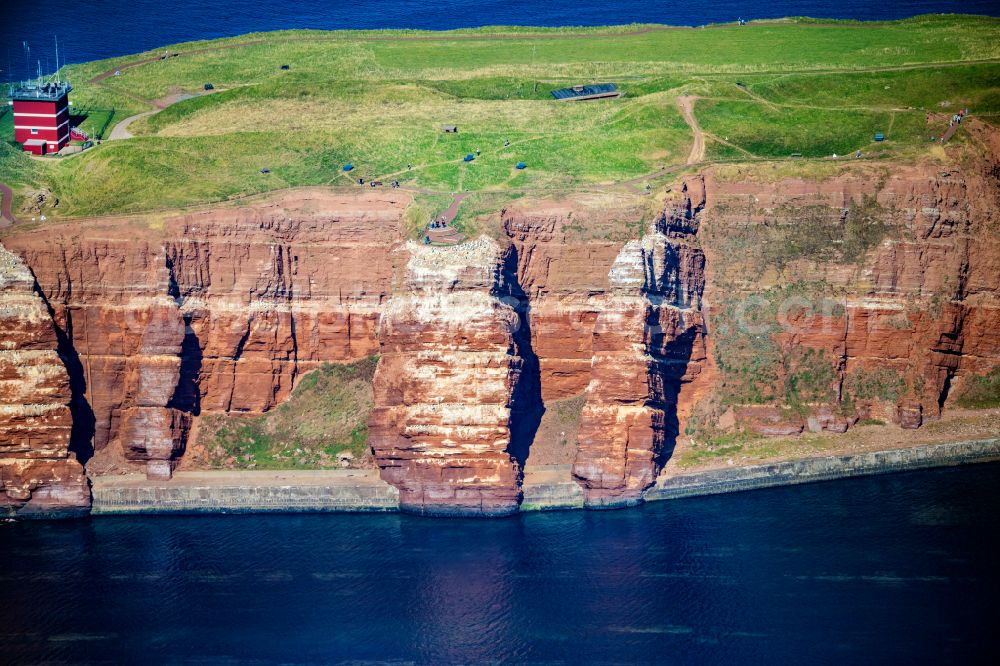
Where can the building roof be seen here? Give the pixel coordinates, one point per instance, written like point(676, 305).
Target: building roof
point(40, 92)
point(36, 142)
point(593, 91)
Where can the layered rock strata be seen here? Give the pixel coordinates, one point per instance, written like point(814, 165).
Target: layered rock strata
point(646, 333)
point(447, 384)
point(564, 277)
point(38, 472)
point(901, 300)
point(219, 311)
point(867, 293)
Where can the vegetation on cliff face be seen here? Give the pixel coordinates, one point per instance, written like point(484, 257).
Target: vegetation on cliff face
point(378, 100)
point(324, 423)
point(755, 368)
point(555, 441)
point(810, 233)
point(982, 392)
point(884, 384)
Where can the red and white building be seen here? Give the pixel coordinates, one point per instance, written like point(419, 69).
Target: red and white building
point(41, 116)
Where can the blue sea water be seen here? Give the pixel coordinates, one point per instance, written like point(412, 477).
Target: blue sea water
point(891, 569)
point(107, 28)
point(898, 569)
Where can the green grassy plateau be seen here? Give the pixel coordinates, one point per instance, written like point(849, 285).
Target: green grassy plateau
point(378, 100)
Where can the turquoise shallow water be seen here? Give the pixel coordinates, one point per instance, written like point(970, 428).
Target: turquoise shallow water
point(899, 568)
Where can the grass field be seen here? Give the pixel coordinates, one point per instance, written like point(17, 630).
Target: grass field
point(378, 100)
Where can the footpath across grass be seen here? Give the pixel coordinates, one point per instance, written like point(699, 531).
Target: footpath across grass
point(379, 99)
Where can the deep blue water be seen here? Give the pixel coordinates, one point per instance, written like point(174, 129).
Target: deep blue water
point(106, 28)
point(892, 569)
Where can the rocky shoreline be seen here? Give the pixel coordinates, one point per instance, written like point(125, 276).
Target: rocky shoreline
point(551, 488)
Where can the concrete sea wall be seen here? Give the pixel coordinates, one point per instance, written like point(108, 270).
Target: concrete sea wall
point(549, 488)
point(245, 492)
point(828, 468)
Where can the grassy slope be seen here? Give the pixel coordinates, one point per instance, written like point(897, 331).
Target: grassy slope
point(982, 392)
point(326, 415)
point(377, 100)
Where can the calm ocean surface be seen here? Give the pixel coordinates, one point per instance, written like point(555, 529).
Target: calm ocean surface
point(892, 569)
point(106, 28)
point(898, 569)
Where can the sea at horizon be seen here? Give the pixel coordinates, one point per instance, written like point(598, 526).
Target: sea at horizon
point(121, 27)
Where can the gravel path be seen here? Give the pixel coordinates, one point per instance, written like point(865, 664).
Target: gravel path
point(120, 131)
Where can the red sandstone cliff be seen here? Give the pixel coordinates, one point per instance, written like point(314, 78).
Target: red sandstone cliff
point(38, 473)
point(645, 336)
point(773, 304)
point(216, 311)
point(900, 317)
point(445, 387)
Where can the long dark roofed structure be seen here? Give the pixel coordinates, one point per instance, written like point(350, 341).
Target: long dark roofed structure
point(594, 91)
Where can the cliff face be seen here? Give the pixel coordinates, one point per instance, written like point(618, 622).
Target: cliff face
point(646, 333)
point(448, 384)
point(563, 276)
point(38, 472)
point(743, 299)
point(863, 295)
point(218, 311)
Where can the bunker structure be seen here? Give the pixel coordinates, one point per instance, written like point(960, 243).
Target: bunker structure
point(581, 93)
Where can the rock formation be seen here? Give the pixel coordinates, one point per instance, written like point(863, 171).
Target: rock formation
point(38, 472)
point(447, 381)
point(882, 275)
point(214, 311)
point(754, 301)
point(563, 276)
point(644, 338)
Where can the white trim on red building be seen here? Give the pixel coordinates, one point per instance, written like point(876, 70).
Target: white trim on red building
point(19, 114)
point(41, 127)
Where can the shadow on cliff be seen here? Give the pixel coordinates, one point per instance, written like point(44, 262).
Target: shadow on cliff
point(81, 439)
point(526, 403)
point(187, 393)
point(666, 378)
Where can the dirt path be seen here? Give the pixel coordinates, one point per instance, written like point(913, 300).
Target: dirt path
point(6, 215)
point(450, 214)
point(752, 95)
point(111, 72)
point(447, 235)
point(686, 104)
point(120, 131)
